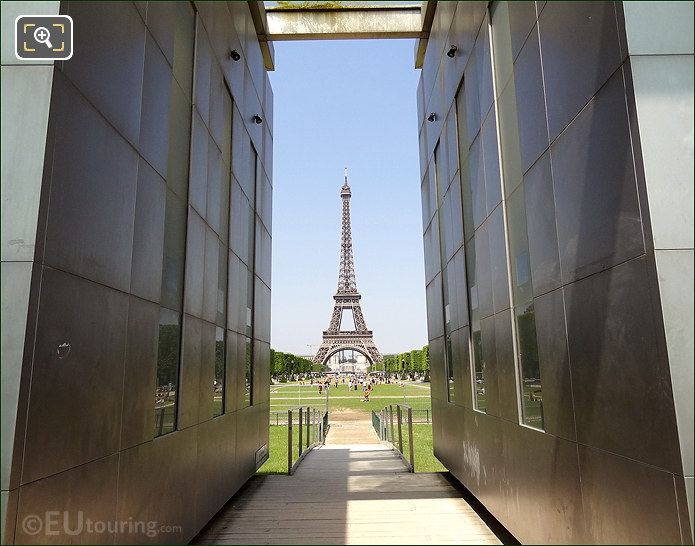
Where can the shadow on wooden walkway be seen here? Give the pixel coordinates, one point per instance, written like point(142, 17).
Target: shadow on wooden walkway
point(349, 493)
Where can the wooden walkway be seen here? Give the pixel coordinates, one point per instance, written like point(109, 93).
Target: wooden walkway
point(349, 493)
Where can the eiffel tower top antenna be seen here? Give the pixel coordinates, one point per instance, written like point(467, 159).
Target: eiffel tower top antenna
point(347, 284)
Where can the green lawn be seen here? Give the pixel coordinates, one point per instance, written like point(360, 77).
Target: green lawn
point(292, 395)
point(277, 457)
point(422, 439)
point(425, 460)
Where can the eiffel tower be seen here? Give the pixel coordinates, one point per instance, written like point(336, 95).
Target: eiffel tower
point(347, 298)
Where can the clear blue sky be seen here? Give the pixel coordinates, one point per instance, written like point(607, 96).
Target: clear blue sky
point(338, 104)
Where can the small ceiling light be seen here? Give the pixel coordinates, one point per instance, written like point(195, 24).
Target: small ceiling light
point(234, 54)
point(452, 52)
point(257, 119)
point(432, 117)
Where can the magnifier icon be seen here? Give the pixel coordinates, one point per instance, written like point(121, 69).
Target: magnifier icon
point(43, 36)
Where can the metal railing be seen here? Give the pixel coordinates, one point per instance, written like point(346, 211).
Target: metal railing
point(311, 425)
point(383, 423)
point(279, 418)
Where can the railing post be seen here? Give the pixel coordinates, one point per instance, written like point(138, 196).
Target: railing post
point(399, 417)
point(391, 419)
point(289, 441)
point(301, 428)
point(410, 440)
point(306, 419)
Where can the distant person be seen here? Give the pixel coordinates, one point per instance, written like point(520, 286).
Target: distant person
point(320, 388)
point(367, 391)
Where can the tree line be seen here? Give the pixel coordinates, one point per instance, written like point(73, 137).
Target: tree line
point(415, 361)
point(285, 364)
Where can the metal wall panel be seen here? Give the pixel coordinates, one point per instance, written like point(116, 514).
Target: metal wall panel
point(77, 375)
point(578, 203)
point(118, 228)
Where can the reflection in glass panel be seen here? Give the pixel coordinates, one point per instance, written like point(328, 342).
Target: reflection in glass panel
point(220, 366)
point(248, 372)
point(439, 178)
point(222, 265)
point(501, 43)
point(464, 169)
point(476, 179)
point(179, 141)
point(518, 247)
point(476, 351)
point(444, 224)
point(249, 303)
point(491, 160)
point(174, 251)
point(224, 204)
point(167, 371)
point(184, 37)
point(531, 392)
point(251, 241)
point(451, 387)
point(529, 388)
point(480, 400)
point(448, 353)
point(509, 138)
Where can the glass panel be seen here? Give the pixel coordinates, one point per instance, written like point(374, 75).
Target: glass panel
point(491, 160)
point(174, 252)
point(249, 302)
point(248, 371)
point(165, 405)
point(224, 204)
point(518, 247)
point(464, 139)
point(501, 43)
point(251, 242)
point(222, 264)
point(476, 178)
point(529, 389)
point(215, 173)
point(480, 400)
point(438, 180)
point(218, 389)
point(179, 141)
point(446, 310)
point(509, 138)
point(478, 368)
point(184, 37)
point(448, 356)
point(531, 392)
point(451, 387)
point(467, 200)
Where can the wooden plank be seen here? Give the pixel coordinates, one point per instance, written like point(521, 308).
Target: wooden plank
point(349, 494)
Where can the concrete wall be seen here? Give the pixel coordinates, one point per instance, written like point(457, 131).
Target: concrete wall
point(26, 95)
point(537, 225)
point(149, 147)
point(660, 46)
